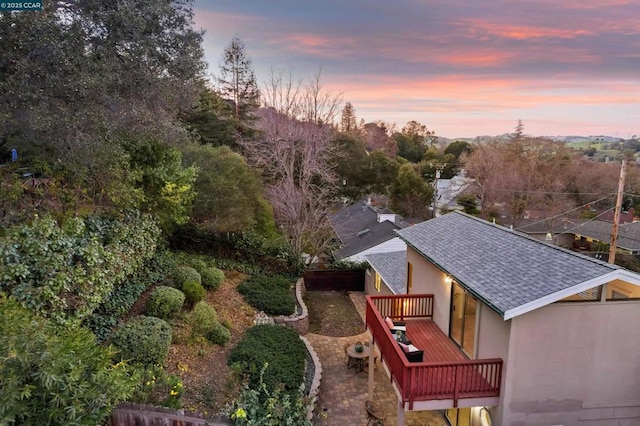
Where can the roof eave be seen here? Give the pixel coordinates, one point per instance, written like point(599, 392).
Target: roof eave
point(623, 274)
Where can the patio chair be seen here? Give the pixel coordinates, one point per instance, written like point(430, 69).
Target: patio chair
point(375, 413)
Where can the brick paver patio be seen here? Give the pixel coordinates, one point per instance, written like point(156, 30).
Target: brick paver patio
point(343, 392)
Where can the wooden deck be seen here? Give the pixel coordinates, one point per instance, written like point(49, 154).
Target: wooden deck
point(426, 335)
point(446, 376)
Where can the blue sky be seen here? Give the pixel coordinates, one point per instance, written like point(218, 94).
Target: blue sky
point(463, 68)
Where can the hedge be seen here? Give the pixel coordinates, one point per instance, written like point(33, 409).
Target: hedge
point(143, 340)
point(271, 294)
point(164, 302)
point(276, 345)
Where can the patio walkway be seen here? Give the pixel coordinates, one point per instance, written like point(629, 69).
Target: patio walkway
point(343, 392)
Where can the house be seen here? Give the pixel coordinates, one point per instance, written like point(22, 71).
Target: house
point(364, 229)
point(589, 236)
point(542, 335)
point(448, 190)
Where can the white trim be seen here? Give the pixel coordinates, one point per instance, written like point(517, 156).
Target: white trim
point(621, 274)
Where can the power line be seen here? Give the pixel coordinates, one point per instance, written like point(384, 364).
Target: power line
point(565, 212)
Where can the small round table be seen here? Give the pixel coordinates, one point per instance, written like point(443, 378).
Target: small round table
point(358, 357)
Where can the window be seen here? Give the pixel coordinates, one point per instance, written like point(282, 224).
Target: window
point(409, 277)
point(377, 282)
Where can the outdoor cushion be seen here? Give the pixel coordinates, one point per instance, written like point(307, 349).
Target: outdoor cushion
point(415, 356)
point(411, 348)
point(405, 348)
point(389, 323)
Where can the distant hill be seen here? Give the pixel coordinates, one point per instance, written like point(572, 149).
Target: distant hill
point(573, 141)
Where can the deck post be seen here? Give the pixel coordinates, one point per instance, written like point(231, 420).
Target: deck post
point(400, 412)
point(372, 366)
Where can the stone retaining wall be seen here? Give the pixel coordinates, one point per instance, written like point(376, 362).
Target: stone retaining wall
point(298, 321)
point(317, 378)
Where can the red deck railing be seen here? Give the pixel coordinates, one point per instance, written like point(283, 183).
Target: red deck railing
point(423, 381)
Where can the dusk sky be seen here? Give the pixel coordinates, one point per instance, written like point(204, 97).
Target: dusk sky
point(463, 68)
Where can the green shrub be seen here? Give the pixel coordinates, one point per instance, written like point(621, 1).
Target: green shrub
point(55, 375)
point(158, 388)
point(182, 274)
point(266, 406)
point(271, 294)
point(276, 345)
point(212, 278)
point(219, 335)
point(193, 291)
point(65, 273)
point(197, 264)
point(143, 340)
point(202, 319)
point(165, 302)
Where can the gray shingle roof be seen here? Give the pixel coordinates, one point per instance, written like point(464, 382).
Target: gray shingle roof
point(392, 268)
point(358, 229)
point(628, 233)
point(504, 268)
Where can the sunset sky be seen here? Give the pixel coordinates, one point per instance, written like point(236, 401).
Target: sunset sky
point(463, 68)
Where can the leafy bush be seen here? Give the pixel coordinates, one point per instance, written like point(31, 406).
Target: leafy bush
point(165, 302)
point(269, 407)
point(204, 322)
point(219, 335)
point(53, 374)
point(197, 264)
point(269, 294)
point(144, 340)
point(202, 319)
point(158, 388)
point(193, 291)
point(66, 273)
point(212, 278)
point(281, 347)
point(182, 274)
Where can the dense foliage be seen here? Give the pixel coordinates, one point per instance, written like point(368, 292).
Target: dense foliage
point(212, 278)
point(119, 302)
point(143, 340)
point(181, 274)
point(269, 407)
point(164, 302)
point(193, 292)
point(53, 374)
point(66, 272)
point(276, 345)
point(271, 294)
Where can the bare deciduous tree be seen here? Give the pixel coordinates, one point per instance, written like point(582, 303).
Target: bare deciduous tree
point(308, 101)
point(296, 160)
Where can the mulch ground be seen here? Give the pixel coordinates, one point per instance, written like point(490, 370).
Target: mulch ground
point(332, 313)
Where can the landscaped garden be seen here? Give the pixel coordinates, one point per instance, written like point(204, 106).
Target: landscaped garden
point(178, 331)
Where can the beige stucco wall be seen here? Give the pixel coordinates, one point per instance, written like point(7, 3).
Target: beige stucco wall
point(370, 284)
point(571, 361)
point(427, 278)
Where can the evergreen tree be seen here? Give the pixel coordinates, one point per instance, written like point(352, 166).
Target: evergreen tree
point(348, 121)
point(237, 81)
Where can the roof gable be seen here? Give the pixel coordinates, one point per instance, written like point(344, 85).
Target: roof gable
point(392, 268)
point(507, 270)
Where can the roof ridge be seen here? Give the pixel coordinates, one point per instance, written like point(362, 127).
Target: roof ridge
point(535, 240)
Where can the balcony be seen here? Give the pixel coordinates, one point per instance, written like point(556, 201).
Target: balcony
point(446, 378)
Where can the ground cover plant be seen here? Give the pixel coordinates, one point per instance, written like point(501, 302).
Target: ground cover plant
point(276, 346)
point(270, 294)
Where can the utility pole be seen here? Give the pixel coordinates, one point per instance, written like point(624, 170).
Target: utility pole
point(616, 215)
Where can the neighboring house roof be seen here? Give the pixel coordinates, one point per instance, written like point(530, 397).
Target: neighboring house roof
point(448, 190)
point(392, 268)
point(509, 271)
point(628, 233)
point(358, 228)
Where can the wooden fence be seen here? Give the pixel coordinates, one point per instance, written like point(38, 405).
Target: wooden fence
point(334, 280)
point(127, 414)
